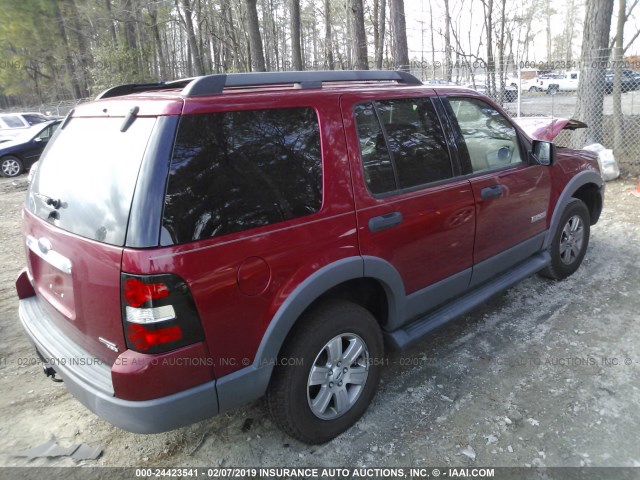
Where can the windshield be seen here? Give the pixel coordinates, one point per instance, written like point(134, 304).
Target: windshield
point(87, 176)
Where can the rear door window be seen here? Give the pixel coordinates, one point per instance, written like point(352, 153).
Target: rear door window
point(90, 168)
point(402, 144)
point(234, 171)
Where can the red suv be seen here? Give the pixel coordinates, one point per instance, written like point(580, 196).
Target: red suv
point(195, 245)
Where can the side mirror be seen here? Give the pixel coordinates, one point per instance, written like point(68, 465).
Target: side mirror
point(544, 152)
point(38, 140)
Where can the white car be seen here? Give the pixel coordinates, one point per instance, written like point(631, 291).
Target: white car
point(11, 124)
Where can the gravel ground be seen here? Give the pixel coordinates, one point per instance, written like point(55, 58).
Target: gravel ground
point(545, 374)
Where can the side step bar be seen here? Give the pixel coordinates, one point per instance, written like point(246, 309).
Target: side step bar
point(418, 329)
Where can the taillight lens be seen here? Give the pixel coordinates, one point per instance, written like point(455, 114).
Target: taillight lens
point(158, 313)
point(136, 292)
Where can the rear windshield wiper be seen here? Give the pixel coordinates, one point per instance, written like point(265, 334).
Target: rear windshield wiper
point(129, 119)
point(55, 203)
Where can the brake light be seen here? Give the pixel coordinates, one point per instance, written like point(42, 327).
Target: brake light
point(144, 339)
point(137, 293)
point(158, 313)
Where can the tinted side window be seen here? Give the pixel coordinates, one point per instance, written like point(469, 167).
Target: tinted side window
point(491, 141)
point(408, 150)
point(234, 171)
point(378, 168)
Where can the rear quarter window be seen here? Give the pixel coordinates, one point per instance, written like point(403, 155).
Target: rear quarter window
point(234, 171)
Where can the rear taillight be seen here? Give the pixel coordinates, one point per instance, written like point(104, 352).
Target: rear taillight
point(158, 313)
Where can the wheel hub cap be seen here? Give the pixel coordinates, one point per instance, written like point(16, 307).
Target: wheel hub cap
point(571, 240)
point(338, 376)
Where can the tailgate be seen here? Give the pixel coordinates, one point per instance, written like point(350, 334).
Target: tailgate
point(77, 281)
point(75, 225)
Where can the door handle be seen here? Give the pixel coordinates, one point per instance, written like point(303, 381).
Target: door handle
point(491, 192)
point(382, 222)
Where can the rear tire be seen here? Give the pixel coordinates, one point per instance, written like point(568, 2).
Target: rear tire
point(570, 242)
point(11, 166)
point(335, 357)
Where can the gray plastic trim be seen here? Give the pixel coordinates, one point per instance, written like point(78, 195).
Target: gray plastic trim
point(251, 382)
point(487, 269)
point(583, 178)
point(412, 333)
point(436, 294)
point(91, 384)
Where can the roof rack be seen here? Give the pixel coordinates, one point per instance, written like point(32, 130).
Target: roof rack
point(215, 84)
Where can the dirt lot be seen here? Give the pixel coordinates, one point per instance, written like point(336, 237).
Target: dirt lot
point(545, 374)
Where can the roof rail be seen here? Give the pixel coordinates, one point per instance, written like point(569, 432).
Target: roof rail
point(215, 84)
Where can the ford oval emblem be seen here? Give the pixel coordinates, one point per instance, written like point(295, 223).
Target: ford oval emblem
point(44, 245)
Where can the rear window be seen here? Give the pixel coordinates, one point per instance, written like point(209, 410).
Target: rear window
point(12, 121)
point(91, 168)
point(234, 171)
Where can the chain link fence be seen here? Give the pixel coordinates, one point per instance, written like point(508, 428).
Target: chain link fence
point(551, 90)
point(531, 89)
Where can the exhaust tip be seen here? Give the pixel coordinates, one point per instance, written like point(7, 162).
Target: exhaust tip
point(49, 371)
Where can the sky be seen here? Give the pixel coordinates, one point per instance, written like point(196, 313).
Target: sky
point(470, 19)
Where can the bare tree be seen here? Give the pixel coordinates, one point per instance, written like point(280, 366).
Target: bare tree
point(361, 55)
point(448, 67)
point(255, 39)
point(296, 49)
point(379, 20)
point(401, 50)
point(328, 42)
point(594, 57)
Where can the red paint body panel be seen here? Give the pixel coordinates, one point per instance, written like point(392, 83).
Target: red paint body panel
point(138, 376)
point(505, 221)
point(150, 105)
point(234, 322)
point(86, 304)
point(435, 238)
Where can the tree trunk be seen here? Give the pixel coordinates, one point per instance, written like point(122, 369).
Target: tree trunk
point(157, 40)
point(196, 54)
point(328, 43)
point(110, 23)
point(491, 62)
point(594, 57)
point(360, 35)
point(401, 50)
point(84, 54)
point(296, 48)
point(501, 54)
point(379, 32)
point(68, 60)
point(255, 40)
point(447, 42)
point(548, 13)
point(617, 77)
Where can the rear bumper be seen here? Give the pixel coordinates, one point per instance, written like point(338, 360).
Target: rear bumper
point(91, 384)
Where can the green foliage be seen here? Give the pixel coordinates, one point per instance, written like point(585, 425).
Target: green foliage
point(116, 66)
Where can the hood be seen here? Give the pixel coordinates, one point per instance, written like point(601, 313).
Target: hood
point(547, 128)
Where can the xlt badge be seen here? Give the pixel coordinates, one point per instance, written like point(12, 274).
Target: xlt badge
point(538, 217)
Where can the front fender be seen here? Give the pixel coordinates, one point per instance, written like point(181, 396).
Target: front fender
point(581, 179)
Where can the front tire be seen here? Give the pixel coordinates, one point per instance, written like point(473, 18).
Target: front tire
point(333, 362)
point(11, 166)
point(570, 242)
